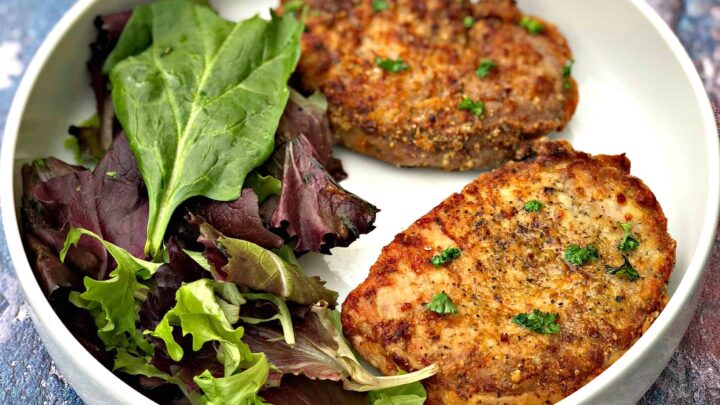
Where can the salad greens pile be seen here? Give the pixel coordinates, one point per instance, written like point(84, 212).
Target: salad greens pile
point(180, 246)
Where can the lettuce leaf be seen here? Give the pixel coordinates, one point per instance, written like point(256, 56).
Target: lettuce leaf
point(108, 201)
point(249, 265)
point(238, 389)
point(304, 391)
point(239, 219)
point(199, 314)
point(321, 353)
point(313, 208)
point(112, 302)
point(408, 394)
point(200, 105)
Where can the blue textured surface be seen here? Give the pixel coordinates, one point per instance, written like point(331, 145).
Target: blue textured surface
point(28, 375)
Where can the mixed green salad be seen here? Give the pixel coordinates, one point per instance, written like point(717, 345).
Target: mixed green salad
point(174, 259)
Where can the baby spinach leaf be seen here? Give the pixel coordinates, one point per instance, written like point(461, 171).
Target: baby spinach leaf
point(201, 104)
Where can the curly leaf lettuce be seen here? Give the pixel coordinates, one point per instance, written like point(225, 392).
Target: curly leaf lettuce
point(199, 314)
point(239, 389)
point(200, 105)
point(113, 302)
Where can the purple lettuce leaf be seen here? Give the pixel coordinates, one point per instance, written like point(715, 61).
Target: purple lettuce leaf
point(50, 272)
point(302, 359)
point(295, 390)
point(94, 140)
point(313, 208)
point(110, 201)
point(239, 219)
point(302, 116)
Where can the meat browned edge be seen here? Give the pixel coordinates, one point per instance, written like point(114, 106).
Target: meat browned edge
point(512, 262)
point(411, 118)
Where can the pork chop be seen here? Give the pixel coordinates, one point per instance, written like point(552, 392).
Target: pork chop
point(437, 83)
point(550, 270)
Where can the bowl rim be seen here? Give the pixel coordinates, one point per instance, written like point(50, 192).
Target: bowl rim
point(115, 388)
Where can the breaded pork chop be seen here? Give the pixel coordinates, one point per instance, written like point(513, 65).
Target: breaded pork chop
point(514, 260)
point(411, 117)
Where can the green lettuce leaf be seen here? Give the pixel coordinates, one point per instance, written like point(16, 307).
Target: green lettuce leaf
point(238, 389)
point(408, 394)
point(255, 267)
point(199, 314)
point(200, 105)
point(113, 302)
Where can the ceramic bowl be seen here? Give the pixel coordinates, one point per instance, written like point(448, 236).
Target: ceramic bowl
point(640, 95)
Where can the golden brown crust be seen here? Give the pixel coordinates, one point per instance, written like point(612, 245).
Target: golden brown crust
point(411, 118)
point(513, 262)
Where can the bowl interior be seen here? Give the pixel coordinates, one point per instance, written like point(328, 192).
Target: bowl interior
point(636, 98)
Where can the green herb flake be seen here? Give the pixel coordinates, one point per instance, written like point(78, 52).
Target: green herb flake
point(567, 69)
point(392, 65)
point(40, 164)
point(533, 206)
point(540, 322)
point(112, 175)
point(475, 107)
point(628, 242)
point(625, 269)
point(442, 304)
point(578, 256)
point(445, 256)
point(379, 5)
point(486, 66)
point(567, 73)
point(468, 21)
point(532, 25)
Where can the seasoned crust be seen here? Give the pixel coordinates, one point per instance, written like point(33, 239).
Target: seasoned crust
point(411, 118)
point(513, 262)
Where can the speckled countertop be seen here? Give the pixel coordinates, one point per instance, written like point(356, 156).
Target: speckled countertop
point(28, 374)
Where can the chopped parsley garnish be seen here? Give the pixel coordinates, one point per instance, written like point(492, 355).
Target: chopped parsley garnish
point(442, 304)
point(628, 242)
point(533, 206)
point(486, 66)
point(540, 322)
point(578, 256)
point(626, 268)
point(392, 65)
point(112, 175)
point(445, 256)
point(379, 5)
point(468, 21)
point(567, 72)
point(567, 69)
point(532, 25)
point(475, 107)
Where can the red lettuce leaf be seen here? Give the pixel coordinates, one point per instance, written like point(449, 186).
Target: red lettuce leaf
point(50, 272)
point(239, 219)
point(302, 359)
point(295, 390)
point(111, 202)
point(304, 117)
point(313, 208)
point(95, 140)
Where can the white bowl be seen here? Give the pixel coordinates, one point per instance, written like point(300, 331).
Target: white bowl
point(640, 94)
